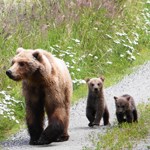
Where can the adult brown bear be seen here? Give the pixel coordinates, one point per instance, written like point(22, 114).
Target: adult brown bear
point(47, 86)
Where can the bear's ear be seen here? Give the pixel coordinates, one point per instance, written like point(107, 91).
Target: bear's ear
point(102, 78)
point(37, 55)
point(20, 49)
point(115, 97)
point(87, 80)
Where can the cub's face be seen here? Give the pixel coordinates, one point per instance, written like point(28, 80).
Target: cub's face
point(122, 104)
point(95, 84)
point(23, 65)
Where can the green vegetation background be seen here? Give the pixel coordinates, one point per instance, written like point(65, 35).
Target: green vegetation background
point(93, 37)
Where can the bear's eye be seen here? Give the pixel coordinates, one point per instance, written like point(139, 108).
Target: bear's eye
point(21, 64)
point(98, 84)
point(12, 63)
point(92, 84)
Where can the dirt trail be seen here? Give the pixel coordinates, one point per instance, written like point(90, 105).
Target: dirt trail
point(136, 84)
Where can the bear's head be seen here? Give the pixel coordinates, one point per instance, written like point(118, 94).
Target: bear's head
point(95, 84)
point(25, 64)
point(122, 104)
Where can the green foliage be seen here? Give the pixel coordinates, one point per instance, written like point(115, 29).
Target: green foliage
point(125, 136)
point(93, 39)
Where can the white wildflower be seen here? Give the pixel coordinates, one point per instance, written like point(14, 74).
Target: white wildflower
point(17, 121)
point(109, 62)
point(117, 41)
point(13, 117)
point(69, 47)
point(128, 52)
point(90, 55)
point(71, 55)
point(121, 55)
point(108, 36)
point(76, 40)
point(121, 34)
point(9, 87)
point(61, 55)
point(133, 57)
point(73, 61)
point(78, 69)
point(71, 67)
point(110, 50)
point(3, 92)
point(57, 46)
point(95, 28)
point(135, 42)
point(95, 57)
point(82, 81)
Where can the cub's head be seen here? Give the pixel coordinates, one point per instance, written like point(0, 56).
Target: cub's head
point(95, 84)
point(24, 64)
point(122, 104)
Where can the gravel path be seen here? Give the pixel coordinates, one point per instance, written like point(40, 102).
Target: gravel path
point(136, 84)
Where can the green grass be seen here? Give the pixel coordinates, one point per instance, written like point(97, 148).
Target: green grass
point(127, 135)
point(84, 36)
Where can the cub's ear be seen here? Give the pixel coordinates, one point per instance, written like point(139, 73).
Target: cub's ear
point(128, 98)
point(102, 78)
point(37, 55)
point(87, 80)
point(115, 98)
point(20, 49)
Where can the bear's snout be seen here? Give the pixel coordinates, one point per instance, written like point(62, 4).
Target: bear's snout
point(96, 89)
point(9, 73)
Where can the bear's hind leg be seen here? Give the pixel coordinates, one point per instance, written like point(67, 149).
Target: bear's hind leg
point(54, 130)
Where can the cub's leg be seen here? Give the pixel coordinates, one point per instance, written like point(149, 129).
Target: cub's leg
point(106, 116)
point(135, 116)
point(90, 114)
point(129, 116)
point(120, 117)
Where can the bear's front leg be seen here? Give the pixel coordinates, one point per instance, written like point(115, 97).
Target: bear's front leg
point(90, 114)
point(53, 132)
point(99, 115)
point(106, 117)
point(120, 117)
point(34, 119)
point(129, 116)
point(135, 116)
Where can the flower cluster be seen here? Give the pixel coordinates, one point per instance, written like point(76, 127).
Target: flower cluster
point(6, 106)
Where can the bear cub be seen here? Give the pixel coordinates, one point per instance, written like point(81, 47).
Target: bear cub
point(96, 106)
point(125, 109)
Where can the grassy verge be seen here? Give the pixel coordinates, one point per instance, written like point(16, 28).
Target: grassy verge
point(128, 135)
point(115, 77)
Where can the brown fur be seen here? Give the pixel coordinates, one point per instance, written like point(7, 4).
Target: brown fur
point(96, 106)
point(47, 85)
point(125, 109)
